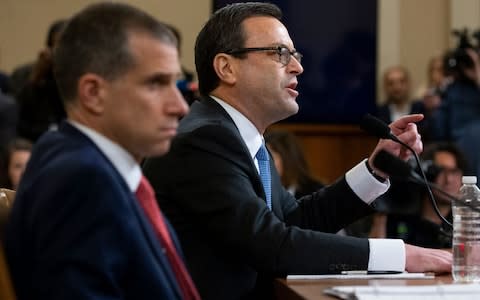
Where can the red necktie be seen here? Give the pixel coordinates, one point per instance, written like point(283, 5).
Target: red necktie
point(146, 197)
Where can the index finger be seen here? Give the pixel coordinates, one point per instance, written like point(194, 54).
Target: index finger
point(405, 120)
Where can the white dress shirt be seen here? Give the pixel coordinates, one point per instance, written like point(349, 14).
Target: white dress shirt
point(396, 113)
point(363, 184)
point(123, 161)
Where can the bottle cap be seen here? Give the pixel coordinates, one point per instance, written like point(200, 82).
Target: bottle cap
point(469, 179)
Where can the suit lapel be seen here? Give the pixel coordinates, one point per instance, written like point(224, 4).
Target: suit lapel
point(145, 225)
point(225, 119)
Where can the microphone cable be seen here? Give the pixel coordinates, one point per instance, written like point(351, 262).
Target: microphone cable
point(429, 190)
point(380, 129)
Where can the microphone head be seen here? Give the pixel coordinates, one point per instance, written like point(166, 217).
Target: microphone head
point(392, 165)
point(375, 126)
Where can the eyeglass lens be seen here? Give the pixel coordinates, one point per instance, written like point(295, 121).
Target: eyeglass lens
point(286, 55)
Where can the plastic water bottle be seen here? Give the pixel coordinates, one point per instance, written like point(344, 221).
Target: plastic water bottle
point(466, 233)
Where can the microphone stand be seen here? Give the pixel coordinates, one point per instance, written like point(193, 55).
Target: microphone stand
point(414, 178)
point(418, 180)
point(380, 129)
point(425, 182)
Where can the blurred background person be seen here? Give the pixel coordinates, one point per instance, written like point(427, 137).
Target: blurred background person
point(460, 107)
point(457, 119)
point(397, 88)
point(398, 101)
point(186, 84)
point(4, 83)
point(21, 75)
point(291, 164)
point(19, 152)
point(444, 165)
point(40, 106)
point(8, 123)
point(432, 91)
point(436, 79)
point(8, 120)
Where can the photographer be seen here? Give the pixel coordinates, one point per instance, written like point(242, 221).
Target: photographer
point(460, 105)
point(457, 119)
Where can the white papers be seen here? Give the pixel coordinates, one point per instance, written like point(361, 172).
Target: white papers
point(404, 275)
point(411, 292)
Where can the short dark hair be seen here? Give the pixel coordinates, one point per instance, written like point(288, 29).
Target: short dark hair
point(19, 144)
point(432, 149)
point(224, 32)
point(96, 41)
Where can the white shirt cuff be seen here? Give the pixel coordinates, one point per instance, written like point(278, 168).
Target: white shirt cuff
point(364, 185)
point(386, 255)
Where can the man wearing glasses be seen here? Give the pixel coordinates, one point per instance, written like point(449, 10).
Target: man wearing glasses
point(238, 226)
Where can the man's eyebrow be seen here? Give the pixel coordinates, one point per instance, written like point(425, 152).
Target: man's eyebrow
point(163, 77)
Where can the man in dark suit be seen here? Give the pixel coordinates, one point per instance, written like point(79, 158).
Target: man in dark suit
point(80, 228)
point(238, 233)
point(398, 102)
point(397, 87)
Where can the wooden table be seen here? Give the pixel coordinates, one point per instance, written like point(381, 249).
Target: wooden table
point(313, 289)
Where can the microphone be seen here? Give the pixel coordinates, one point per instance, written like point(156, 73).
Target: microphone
point(380, 129)
point(397, 168)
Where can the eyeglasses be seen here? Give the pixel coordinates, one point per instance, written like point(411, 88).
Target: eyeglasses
point(284, 54)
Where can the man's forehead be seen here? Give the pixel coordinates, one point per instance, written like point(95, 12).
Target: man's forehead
point(266, 30)
point(396, 74)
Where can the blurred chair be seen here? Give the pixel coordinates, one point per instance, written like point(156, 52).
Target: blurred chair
point(6, 201)
point(6, 289)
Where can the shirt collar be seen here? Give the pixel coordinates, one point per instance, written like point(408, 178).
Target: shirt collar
point(249, 133)
point(397, 113)
point(123, 162)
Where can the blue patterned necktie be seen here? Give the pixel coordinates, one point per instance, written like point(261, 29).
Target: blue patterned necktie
point(264, 167)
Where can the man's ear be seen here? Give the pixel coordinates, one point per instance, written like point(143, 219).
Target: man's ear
point(224, 66)
point(91, 92)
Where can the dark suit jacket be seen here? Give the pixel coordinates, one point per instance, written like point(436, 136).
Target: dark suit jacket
point(234, 245)
point(76, 231)
point(8, 120)
point(415, 230)
point(424, 126)
point(308, 186)
point(40, 107)
point(8, 123)
point(383, 111)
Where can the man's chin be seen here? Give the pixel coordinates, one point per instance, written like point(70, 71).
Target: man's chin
point(292, 106)
point(288, 114)
point(160, 149)
point(294, 110)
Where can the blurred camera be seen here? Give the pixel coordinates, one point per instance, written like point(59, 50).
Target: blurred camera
point(457, 60)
